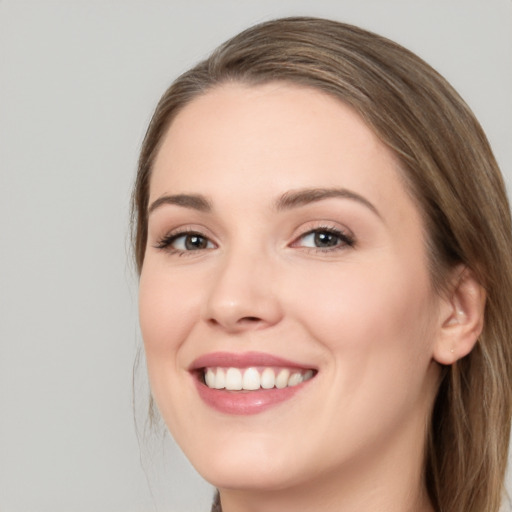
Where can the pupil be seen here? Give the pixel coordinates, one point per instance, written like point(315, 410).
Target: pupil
point(324, 239)
point(194, 242)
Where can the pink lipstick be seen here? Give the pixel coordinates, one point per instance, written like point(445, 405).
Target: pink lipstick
point(248, 383)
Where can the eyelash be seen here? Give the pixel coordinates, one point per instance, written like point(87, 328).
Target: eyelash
point(165, 243)
point(345, 240)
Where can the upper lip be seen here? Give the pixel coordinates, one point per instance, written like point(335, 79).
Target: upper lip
point(243, 360)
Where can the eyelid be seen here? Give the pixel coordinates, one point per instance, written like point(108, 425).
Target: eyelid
point(346, 236)
point(164, 241)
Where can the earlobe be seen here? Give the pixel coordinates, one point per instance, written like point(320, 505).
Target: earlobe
point(461, 318)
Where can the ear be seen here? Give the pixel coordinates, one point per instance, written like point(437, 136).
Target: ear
point(461, 317)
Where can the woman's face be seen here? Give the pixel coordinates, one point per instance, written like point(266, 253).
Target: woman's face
point(285, 256)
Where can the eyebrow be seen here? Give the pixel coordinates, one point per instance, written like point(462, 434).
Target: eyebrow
point(193, 201)
point(296, 198)
point(289, 200)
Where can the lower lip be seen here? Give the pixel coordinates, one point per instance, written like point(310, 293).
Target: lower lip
point(245, 402)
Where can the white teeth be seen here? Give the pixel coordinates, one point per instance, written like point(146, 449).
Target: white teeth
point(282, 379)
point(220, 379)
point(209, 378)
point(251, 379)
point(233, 379)
point(295, 379)
point(268, 378)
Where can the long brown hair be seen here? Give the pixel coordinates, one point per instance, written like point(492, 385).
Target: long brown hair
point(449, 168)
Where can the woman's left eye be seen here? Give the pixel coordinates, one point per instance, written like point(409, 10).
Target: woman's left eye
point(324, 239)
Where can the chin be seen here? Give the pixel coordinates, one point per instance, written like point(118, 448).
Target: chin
point(250, 467)
point(243, 475)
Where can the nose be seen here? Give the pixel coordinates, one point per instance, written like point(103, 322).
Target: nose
point(242, 294)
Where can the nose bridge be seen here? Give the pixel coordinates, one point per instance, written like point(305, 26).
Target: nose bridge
point(242, 293)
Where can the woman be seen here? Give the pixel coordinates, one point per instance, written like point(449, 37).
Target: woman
point(323, 241)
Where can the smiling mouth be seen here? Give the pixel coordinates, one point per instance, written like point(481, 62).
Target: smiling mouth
point(254, 378)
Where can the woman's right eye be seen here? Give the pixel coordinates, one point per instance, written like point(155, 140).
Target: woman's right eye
point(185, 242)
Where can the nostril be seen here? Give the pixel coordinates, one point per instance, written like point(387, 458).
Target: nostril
point(245, 322)
point(244, 319)
point(249, 319)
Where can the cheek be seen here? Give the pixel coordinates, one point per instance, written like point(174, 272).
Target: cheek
point(382, 313)
point(166, 313)
point(162, 301)
point(377, 330)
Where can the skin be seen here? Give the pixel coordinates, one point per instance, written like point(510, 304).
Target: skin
point(364, 315)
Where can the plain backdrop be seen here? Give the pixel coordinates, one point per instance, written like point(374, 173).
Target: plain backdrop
point(78, 82)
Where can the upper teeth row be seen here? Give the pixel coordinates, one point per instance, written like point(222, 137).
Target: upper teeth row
point(251, 379)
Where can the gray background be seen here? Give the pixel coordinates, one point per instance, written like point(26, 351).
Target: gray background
point(78, 82)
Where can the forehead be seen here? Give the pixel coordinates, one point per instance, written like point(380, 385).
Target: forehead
point(269, 138)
